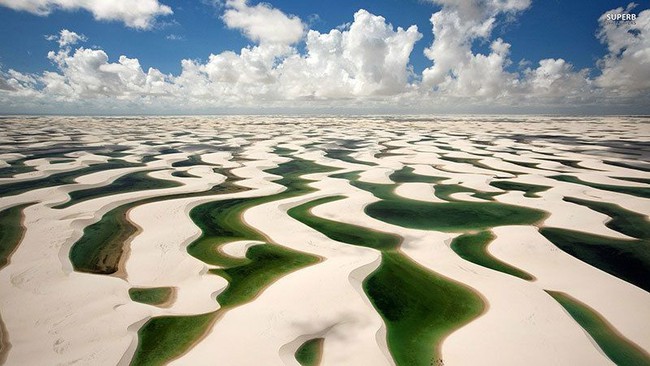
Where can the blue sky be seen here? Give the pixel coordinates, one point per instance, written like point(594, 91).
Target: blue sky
point(549, 28)
point(544, 29)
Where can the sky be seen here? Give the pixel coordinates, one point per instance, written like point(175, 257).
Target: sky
point(355, 56)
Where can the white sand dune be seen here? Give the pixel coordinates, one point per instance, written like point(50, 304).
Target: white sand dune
point(417, 191)
point(555, 270)
point(81, 316)
point(238, 249)
point(326, 299)
point(512, 303)
point(55, 315)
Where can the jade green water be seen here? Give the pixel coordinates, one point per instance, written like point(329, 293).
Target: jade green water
point(11, 231)
point(16, 167)
point(386, 192)
point(569, 163)
point(61, 161)
point(192, 160)
point(619, 349)
point(265, 263)
point(134, 182)
point(473, 248)
point(407, 175)
point(476, 162)
point(445, 192)
point(452, 216)
point(164, 338)
point(633, 179)
point(344, 155)
point(151, 296)
point(102, 244)
point(220, 222)
point(387, 151)
point(58, 179)
point(642, 192)
point(525, 164)
point(310, 352)
point(419, 307)
point(628, 260)
point(341, 231)
point(530, 190)
point(624, 221)
point(56, 156)
point(628, 166)
point(183, 174)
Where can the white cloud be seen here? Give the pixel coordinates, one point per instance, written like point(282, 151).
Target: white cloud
point(455, 27)
point(233, 78)
point(459, 74)
point(174, 37)
point(4, 85)
point(139, 14)
point(262, 23)
point(66, 38)
point(479, 10)
point(626, 69)
point(87, 73)
point(482, 75)
point(367, 59)
point(363, 64)
point(22, 85)
point(555, 81)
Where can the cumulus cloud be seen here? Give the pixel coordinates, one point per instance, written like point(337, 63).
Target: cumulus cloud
point(233, 78)
point(262, 23)
point(481, 10)
point(456, 69)
point(17, 83)
point(368, 58)
point(87, 73)
point(139, 14)
point(66, 38)
point(4, 85)
point(627, 66)
point(556, 81)
point(362, 63)
point(458, 73)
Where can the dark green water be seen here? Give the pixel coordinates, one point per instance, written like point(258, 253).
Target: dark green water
point(102, 244)
point(452, 216)
point(11, 231)
point(642, 192)
point(151, 296)
point(530, 190)
point(310, 352)
point(58, 179)
point(473, 248)
point(619, 349)
point(628, 260)
point(134, 182)
point(419, 307)
point(220, 222)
